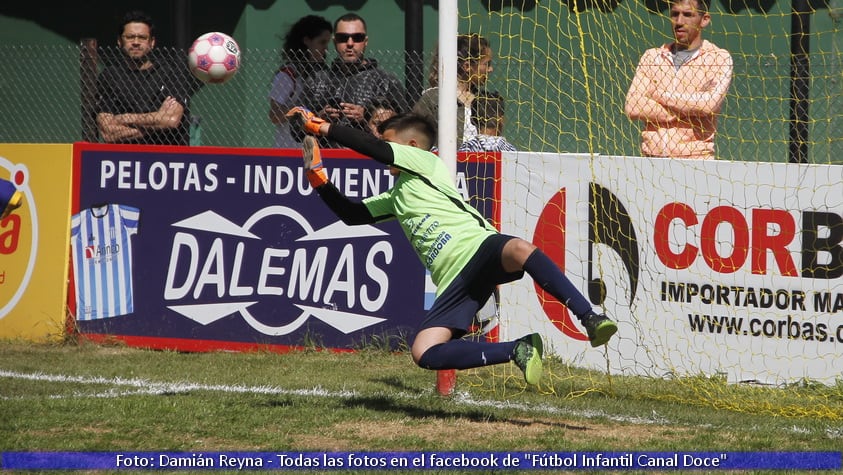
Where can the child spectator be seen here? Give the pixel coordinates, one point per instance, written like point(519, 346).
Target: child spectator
point(487, 113)
point(378, 111)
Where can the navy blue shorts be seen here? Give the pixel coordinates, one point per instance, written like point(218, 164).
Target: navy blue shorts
point(456, 306)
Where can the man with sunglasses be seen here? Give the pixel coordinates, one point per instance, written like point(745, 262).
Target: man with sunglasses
point(141, 98)
point(342, 93)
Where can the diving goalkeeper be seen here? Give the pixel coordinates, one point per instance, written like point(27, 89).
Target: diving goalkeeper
point(466, 256)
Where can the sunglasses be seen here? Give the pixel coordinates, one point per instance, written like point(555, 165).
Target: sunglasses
point(344, 37)
point(135, 37)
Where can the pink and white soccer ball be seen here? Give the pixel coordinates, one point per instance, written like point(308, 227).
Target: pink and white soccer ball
point(214, 57)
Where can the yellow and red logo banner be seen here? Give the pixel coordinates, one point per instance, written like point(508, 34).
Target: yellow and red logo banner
point(34, 240)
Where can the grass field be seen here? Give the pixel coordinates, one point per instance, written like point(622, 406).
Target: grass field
point(85, 397)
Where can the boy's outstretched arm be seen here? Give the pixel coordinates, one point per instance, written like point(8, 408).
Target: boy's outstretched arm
point(355, 139)
point(348, 211)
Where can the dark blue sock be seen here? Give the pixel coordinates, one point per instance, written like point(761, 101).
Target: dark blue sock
point(465, 354)
point(550, 278)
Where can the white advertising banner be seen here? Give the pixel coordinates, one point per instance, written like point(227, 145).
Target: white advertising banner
point(709, 267)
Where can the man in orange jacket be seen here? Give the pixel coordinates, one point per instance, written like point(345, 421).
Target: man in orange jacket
point(679, 88)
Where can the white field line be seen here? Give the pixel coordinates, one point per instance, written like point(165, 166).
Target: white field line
point(147, 387)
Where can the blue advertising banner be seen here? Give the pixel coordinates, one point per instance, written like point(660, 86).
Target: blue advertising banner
point(198, 248)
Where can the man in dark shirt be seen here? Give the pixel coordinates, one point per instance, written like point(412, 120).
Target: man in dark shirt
point(141, 99)
point(342, 93)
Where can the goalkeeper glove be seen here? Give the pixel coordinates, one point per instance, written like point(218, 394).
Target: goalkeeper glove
point(303, 119)
point(313, 169)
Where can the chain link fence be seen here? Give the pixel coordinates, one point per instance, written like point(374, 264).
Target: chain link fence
point(48, 94)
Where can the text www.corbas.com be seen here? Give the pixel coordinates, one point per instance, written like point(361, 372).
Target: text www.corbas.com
point(766, 328)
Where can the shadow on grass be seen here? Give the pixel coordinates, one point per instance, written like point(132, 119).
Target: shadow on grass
point(387, 404)
point(397, 383)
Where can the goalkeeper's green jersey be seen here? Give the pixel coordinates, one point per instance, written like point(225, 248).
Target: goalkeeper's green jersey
point(443, 229)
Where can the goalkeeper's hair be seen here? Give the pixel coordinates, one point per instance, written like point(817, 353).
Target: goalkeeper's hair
point(423, 128)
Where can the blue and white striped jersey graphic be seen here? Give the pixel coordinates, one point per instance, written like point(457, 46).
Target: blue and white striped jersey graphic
point(102, 260)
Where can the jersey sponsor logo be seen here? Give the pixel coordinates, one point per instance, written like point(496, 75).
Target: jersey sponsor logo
point(336, 274)
point(98, 252)
point(18, 239)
